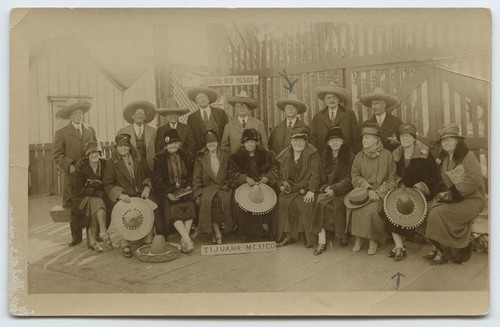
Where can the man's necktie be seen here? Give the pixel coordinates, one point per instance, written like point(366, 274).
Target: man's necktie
point(205, 118)
point(332, 116)
point(244, 124)
point(139, 134)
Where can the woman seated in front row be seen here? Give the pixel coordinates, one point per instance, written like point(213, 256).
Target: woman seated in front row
point(172, 180)
point(127, 175)
point(210, 188)
point(461, 200)
point(88, 193)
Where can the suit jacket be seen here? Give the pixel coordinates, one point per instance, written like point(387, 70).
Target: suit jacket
point(68, 148)
point(184, 132)
point(345, 119)
point(195, 123)
point(389, 127)
point(149, 140)
point(233, 132)
point(277, 141)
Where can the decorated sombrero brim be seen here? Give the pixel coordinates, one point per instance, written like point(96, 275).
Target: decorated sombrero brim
point(211, 93)
point(379, 94)
point(293, 100)
point(322, 90)
point(159, 250)
point(148, 107)
point(133, 220)
point(72, 105)
point(258, 199)
point(172, 107)
point(242, 97)
point(405, 207)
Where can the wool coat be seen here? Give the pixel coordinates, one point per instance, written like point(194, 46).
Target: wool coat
point(345, 119)
point(231, 138)
point(184, 133)
point(206, 185)
point(217, 117)
point(292, 210)
point(449, 223)
point(330, 212)
point(390, 127)
point(149, 138)
point(279, 138)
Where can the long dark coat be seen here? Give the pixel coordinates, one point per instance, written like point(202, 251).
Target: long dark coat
point(330, 212)
point(68, 148)
point(184, 133)
point(306, 179)
point(345, 119)
point(389, 127)
point(279, 139)
point(195, 123)
point(206, 185)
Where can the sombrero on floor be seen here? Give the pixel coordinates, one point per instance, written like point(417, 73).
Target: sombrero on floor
point(405, 207)
point(133, 220)
point(258, 199)
point(159, 250)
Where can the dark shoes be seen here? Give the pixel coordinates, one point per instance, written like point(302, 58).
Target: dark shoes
point(75, 242)
point(344, 242)
point(320, 248)
point(431, 255)
point(438, 260)
point(397, 253)
point(285, 240)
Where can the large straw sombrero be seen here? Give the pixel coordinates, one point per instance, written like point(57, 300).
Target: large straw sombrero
point(258, 199)
point(72, 105)
point(172, 107)
point(148, 107)
point(159, 250)
point(211, 93)
point(293, 100)
point(405, 207)
point(133, 220)
point(332, 88)
point(243, 97)
point(379, 94)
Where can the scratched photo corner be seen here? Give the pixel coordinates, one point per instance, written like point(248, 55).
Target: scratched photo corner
point(308, 162)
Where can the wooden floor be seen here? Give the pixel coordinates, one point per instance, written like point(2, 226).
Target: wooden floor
point(56, 268)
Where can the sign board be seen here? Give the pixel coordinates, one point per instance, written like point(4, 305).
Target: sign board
point(238, 248)
point(230, 80)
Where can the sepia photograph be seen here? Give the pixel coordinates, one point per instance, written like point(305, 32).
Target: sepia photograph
point(250, 161)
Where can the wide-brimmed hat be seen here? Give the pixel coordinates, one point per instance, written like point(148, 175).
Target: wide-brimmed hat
point(72, 105)
point(405, 207)
point(334, 132)
point(211, 93)
point(159, 250)
point(379, 94)
point(332, 88)
point(299, 133)
point(371, 129)
point(123, 139)
point(250, 134)
point(407, 128)
point(211, 136)
point(293, 100)
point(450, 130)
point(133, 220)
point(172, 108)
point(258, 199)
point(243, 97)
point(357, 198)
point(91, 146)
point(170, 136)
point(148, 107)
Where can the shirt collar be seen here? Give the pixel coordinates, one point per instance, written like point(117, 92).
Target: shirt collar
point(291, 120)
point(138, 128)
point(241, 119)
point(174, 126)
point(77, 126)
point(381, 117)
point(208, 110)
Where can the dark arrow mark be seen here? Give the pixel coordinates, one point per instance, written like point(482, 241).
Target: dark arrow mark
point(290, 85)
point(398, 276)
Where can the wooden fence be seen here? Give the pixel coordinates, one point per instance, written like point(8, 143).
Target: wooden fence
point(44, 176)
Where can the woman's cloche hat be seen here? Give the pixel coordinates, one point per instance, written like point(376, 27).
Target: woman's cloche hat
point(250, 134)
point(123, 139)
point(334, 132)
point(450, 130)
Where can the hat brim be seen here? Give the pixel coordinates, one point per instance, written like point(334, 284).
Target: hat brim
point(323, 90)
point(147, 106)
point(391, 101)
point(251, 103)
point(65, 112)
point(450, 135)
point(412, 220)
point(241, 196)
point(212, 94)
point(301, 106)
point(172, 111)
point(172, 253)
point(145, 226)
point(350, 205)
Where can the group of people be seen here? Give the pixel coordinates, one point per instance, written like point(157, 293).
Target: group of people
point(329, 179)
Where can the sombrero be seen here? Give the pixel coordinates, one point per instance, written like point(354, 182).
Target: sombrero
point(357, 198)
point(293, 100)
point(332, 88)
point(133, 220)
point(172, 107)
point(258, 199)
point(148, 107)
point(243, 97)
point(72, 105)
point(405, 207)
point(379, 94)
point(159, 250)
point(211, 93)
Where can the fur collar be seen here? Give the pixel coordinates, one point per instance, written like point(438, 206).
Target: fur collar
point(420, 151)
point(458, 156)
point(264, 158)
